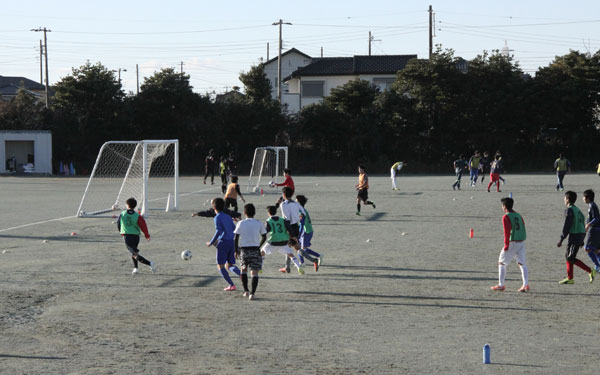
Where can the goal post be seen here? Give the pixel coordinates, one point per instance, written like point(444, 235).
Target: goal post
point(146, 170)
point(267, 165)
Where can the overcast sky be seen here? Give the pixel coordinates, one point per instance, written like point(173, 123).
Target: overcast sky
point(216, 40)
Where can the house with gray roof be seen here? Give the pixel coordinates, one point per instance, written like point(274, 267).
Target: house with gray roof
point(311, 83)
point(9, 87)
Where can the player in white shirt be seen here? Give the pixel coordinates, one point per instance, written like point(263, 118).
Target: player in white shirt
point(395, 169)
point(250, 234)
point(292, 212)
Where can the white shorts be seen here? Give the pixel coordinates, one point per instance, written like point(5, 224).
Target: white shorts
point(516, 250)
point(283, 249)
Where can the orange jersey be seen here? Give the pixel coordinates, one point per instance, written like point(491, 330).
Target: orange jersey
point(363, 181)
point(231, 191)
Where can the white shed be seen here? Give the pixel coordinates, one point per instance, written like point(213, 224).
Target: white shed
point(26, 151)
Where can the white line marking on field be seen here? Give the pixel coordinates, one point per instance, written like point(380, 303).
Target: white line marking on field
point(38, 222)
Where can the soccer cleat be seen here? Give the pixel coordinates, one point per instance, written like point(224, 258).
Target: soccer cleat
point(498, 287)
point(251, 297)
point(453, 187)
point(524, 288)
point(230, 288)
point(135, 271)
point(152, 267)
point(357, 213)
point(301, 270)
point(592, 275)
point(566, 280)
point(316, 266)
point(374, 207)
point(597, 269)
point(321, 259)
point(503, 182)
point(284, 270)
point(245, 294)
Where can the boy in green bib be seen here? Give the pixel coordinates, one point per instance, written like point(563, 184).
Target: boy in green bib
point(278, 235)
point(130, 225)
point(574, 228)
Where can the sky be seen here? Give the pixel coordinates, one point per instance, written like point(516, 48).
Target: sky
point(216, 40)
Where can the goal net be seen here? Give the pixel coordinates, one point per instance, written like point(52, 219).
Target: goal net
point(145, 170)
point(268, 165)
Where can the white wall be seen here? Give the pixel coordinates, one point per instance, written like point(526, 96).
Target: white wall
point(289, 64)
point(42, 148)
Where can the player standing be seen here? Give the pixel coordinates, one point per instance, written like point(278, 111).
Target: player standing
point(248, 241)
point(130, 224)
point(395, 169)
point(574, 228)
point(210, 166)
point(592, 245)
point(484, 165)
point(460, 165)
point(223, 173)
point(514, 245)
point(363, 189)
point(474, 162)
point(562, 166)
point(223, 240)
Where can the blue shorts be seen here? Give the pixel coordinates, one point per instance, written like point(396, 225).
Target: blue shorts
point(593, 239)
point(225, 252)
point(305, 239)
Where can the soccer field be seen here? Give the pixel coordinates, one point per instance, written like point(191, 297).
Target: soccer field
point(414, 299)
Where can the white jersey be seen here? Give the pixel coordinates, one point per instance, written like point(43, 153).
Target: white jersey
point(250, 231)
point(291, 211)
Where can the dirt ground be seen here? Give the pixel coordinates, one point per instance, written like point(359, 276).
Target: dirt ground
point(414, 299)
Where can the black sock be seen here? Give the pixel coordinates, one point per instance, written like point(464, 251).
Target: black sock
point(358, 207)
point(143, 260)
point(254, 284)
point(244, 277)
point(135, 262)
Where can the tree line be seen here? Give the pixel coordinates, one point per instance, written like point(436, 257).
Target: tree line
point(431, 114)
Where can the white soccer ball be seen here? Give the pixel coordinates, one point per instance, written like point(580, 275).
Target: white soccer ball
point(271, 184)
point(186, 255)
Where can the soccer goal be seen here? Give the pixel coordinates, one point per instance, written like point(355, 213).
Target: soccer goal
point(268, 165)
point(145, 170)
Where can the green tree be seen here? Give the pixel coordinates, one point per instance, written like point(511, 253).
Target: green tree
point(256, 84)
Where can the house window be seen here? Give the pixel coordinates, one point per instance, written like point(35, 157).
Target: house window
point(312, 89)
point(383, 83)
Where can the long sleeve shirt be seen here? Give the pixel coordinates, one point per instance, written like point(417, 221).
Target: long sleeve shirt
point(224, 228)
point(141, 223)
point(287, 182)
point(569, 217)
point(593, 216)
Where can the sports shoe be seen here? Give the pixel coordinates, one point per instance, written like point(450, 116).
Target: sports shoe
point(453, 187)
point(316, 266)
point(566, 280)
point(321, 259)
point(152, 267)
point(135, 271)
point(597, 269)
point(592, 275)
point(357, 213)
point(374, 207)
point(251, 297)
point(284, 270)
point(260, 272)
point(245, 294)
point(301, 270)
point(498, 287)
point(524, 288)
point(230, 288)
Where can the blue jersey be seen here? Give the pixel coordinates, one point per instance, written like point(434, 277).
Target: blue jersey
point(593, 216)
point(224, 228)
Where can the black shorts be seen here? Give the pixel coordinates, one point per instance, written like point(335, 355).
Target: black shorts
point(294, 232)
point(251, 258)
point(231, 202)
point(363, 195)
point(593, 240)
point(575, 243)
point(132, 241)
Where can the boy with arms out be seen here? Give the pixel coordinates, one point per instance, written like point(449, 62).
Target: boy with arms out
point(592, 245)
point(574, 228)
point(514, 245)
point(363, 189)
point(250, 234)
point(278, 237)
point(495, 171)
point(223, 240)
point(130, 224)
point(460, 165)
point(233, 190)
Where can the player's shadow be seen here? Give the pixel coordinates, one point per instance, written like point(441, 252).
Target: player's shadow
point(399, 269)
point(413, 193)
point(29, 356)
point(516, 364)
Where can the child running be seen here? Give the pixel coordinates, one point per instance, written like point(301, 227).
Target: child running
point(250, 235)
point(474, 162)
point(130, 224)
point(460, 165)
point(292, 212)
point(484, 165)
point(223, 240)
point(278, 235)
point(592, 245)
point(574, 228)
point(233, 190)
point(514, 245)
point(306, 233)
point(363, 189)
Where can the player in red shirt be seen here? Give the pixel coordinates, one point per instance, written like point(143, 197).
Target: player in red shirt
point(288, 180)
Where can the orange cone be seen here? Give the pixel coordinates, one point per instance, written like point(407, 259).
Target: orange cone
point(262, 192)
point(471, 233)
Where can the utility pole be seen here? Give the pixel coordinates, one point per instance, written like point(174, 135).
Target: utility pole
point(137, 78)
point(181, 69)
point(430, 33)
point(46, 59)
point(119, 71)
point(372, 39)
point(321, 52)
point(280, 23)
point(41, 63)
point(267, 51)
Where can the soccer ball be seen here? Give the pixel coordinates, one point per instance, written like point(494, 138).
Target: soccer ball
point(186, 255)
point(271, 184)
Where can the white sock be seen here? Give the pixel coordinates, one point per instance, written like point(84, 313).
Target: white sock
point(501, 274)
point(524, 274)
point(295, 260)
